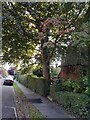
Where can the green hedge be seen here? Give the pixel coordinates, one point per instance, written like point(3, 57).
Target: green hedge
point(75, 102)
point(37, 84)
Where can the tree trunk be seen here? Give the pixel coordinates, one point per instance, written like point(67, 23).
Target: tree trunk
point(45, 63)
point(45, 57)
point(45, 60)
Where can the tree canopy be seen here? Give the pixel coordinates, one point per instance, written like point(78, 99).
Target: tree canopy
point(41, 30)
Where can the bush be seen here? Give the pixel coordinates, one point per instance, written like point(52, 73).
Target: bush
point(38, 71)
point(72, 86)
point(87, 91)
point(37, 84)
point(74, 102)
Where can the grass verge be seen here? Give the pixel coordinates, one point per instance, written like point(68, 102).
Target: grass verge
point(33, 111)
point(18, 90)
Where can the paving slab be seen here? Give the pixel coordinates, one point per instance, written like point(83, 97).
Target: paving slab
point(46, 107)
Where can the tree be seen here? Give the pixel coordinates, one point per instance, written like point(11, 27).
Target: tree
point(48, 25)
point(16, 39)
point(88, 19)
point(60, 27)
point(83, 36)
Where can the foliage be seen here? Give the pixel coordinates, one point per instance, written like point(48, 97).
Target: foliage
point(47, 25)
point(26, 70)
point(35, 113)
point(87, 91)
point(81, 37)
point(75, 86)
point(18, 90)
point(16, 42)
point(38, 71)
point(72, 86)
point(54, 71)
point(85, 81)
point(23, 22)
point(73, 102)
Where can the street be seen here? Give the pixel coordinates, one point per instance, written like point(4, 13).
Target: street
point(8, 103)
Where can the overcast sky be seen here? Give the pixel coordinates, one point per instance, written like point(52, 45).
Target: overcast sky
point(6, 66)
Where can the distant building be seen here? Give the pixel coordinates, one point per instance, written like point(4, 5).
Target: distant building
point(3, 71)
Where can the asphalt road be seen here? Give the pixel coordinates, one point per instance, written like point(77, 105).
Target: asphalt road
point(8, 102)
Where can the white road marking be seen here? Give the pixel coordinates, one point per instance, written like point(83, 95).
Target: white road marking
point(14, 110)
point(14, 107)
point(13, 90)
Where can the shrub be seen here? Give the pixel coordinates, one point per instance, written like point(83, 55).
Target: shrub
point(38, 71)
point(87, 91)
point(54, 71)
point(72, 86)
point(37, 84)
point(75, 102)
point(23, 79)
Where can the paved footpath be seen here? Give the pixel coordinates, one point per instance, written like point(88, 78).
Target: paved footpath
point(44, 105)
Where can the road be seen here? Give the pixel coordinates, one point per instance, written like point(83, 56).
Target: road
point(8, 102)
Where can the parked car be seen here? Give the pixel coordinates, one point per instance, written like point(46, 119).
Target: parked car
point(8, 80)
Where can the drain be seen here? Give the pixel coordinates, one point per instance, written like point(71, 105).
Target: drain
point(35, 100)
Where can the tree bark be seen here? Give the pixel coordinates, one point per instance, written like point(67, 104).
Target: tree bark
point(45, 63)
point(45, 58)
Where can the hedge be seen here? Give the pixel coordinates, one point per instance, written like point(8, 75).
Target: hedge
point(37, 84)
point(74, 102)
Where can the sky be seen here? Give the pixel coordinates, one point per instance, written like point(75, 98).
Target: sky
point(6, 66)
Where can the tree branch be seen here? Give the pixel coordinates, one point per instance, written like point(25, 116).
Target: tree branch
point(72, 23)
